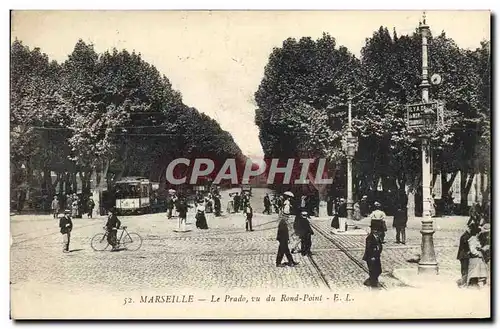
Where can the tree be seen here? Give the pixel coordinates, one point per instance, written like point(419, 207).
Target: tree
point(112, 114)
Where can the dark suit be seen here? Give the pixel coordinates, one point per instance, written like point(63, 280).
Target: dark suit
point(304, 231)
point(400, 220)
point(373, 250)
point(267, 205)
point(463, 255)
point(283, 238)
point(65, 226)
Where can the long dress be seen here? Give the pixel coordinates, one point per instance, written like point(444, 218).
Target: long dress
point(201, 220)
point(477, 266)
point(357, 212)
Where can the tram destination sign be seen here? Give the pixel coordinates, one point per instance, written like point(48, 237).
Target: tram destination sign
point(414, 113)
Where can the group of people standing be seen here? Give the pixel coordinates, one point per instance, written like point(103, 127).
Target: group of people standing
point(66, 226)
point(474, 250)
point(237, 202)
point(73, 203)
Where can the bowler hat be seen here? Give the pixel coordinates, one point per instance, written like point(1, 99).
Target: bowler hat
point(377, 204)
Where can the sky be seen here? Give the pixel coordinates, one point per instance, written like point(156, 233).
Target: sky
point(216, 59)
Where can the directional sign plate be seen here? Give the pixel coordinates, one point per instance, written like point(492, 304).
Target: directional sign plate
point(414, 113)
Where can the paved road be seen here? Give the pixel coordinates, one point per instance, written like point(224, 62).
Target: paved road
point(225, 256)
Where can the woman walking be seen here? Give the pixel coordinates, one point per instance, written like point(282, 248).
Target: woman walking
point(201, 220)
point(478, 270)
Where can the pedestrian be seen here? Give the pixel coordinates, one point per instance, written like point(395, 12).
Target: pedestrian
point(90, 207)
point(363, 206)
point(478, 270)
point(55, 206)
point(245, 201)
point(463, 256)
point(267, 204)
point(230, 205)
point(66, 226)
point(112, 226)
point(217, 205)
point(303, 202)
point(74, 208)
point(236, 202)
point(356, 212)
point(287, 205)
point(335, 220)
point(201, 219)
point(399, 223)
point(475, 214)
point(373, 251)
point(249, 215)
point(342, 208)
point(305, 233)
point(170, 206)
point(182, 209)
point(329, 206)
point(378, 220)
point(275, 204)
point(283, 238)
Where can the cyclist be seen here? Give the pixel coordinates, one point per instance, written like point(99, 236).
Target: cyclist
point(112, 225)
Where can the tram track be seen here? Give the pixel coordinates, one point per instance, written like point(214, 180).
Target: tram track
point(16, 242)
point(344, 250)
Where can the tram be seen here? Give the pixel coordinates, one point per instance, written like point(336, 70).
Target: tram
point(133, 195)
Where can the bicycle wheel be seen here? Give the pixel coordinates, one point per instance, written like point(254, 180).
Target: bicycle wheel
point(99, 242)
point(132, 241)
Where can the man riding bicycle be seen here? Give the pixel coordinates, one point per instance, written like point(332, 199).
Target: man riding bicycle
point(112, 225)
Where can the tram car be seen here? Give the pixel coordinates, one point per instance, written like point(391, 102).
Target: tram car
point(133, 195)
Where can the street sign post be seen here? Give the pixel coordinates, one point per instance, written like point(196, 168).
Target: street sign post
point(414, 113)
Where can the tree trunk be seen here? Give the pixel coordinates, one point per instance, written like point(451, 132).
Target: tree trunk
point(465, 186)
point(446, 184)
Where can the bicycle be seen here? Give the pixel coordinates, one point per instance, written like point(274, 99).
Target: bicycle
point(129, 240)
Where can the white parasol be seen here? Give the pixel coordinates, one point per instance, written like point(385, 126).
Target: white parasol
point(288, 193)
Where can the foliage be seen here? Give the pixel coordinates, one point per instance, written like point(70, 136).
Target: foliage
point(306, 83)
point(111, 113)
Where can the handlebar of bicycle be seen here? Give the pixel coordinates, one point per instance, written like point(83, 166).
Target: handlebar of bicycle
point(120, 228)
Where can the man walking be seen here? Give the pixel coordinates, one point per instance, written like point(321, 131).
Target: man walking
point(90, 207)
point(283, 238)
point(182, 209)
point(267, 204)
point(305, 233)
point(170, 206)
point(463, 255)
point(217, 205)
point(55, 206)
point(399, 223)
point(249, 215)
point(373, 250)
point(363, 206)
point(65, 226)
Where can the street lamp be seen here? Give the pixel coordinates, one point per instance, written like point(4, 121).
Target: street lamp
point(427, 263)
point(350, 146)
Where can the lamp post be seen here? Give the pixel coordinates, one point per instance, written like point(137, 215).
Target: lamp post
point(427, 263)
point(350, 146)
